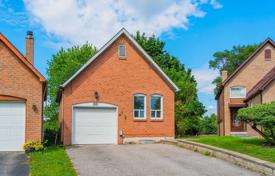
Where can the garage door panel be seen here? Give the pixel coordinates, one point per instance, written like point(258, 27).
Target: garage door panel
point(94, 126)
point(12, 126)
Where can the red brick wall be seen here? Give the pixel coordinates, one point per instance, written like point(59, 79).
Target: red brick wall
point(18, 81)
point(117, 81)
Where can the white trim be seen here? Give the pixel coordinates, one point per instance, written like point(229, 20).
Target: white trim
point(94, 105)
point(237, 87)
point(126, 33)
point(139, 118)
point(161, 108)
point(239, 133)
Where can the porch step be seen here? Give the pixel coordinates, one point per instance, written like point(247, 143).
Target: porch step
point(239, 134)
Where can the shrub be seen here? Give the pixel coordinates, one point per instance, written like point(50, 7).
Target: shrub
point(262, 115)
point(33, 146)
point(208, 124)
point(51, 133)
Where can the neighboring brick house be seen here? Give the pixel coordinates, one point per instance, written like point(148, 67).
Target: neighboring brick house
point(22, 93)
point(120, 95)
point(252, 83)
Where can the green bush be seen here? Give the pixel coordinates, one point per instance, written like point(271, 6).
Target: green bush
point(33, 146)
point(51, 133)
point(208, 124)
point(262, 115)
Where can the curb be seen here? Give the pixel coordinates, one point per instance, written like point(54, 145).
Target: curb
point(254, 164)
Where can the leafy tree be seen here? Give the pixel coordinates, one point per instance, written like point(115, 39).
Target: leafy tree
point(189, 109)
point(230, 60)
point(208, 124)
point(262, 115)
point(60, 68)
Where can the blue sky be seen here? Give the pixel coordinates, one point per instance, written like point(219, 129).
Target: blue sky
point(192, 29)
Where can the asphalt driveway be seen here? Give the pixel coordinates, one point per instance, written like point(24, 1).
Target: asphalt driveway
point(14, 164)
point(148, 159)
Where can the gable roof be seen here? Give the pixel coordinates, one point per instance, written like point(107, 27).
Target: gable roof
point(267, 41)
point(261, 85)
point(22, 58)
point(132, 40)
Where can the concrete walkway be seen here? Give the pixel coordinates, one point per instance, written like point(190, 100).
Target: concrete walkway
point(148, 159)
point(14, 164)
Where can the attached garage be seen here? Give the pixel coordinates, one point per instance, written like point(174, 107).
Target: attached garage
point(12, 126)
point(94, 124)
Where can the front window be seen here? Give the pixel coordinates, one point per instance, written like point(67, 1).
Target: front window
point(139, 106)
point(237, 92)
point(156, 107)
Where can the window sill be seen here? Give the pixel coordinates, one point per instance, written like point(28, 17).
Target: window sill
point(156, 120)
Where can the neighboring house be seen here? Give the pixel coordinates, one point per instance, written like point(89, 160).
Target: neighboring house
point(22, 93)
point(120, 95)
point(252, 83)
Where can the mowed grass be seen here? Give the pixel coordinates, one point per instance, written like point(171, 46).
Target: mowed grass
point(53, 161)
point(250, 146)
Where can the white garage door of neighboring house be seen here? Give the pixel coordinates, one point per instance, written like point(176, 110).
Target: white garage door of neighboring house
point(12, 126)
point(94, 125)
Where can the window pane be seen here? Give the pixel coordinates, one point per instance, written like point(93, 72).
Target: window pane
point(156, 102)
point(139, 102)
point(237, 92)
point(122, 50)
point(136, 113)
point(141, 114)
point(158, 114)
point(152, 113)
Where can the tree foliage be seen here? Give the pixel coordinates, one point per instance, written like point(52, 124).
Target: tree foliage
point(189, 109)
point(60, 68)
point(208, 124)
point(230, 60)
point(262, 119)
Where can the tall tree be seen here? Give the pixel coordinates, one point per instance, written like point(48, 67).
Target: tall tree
point(189, 109)
point(60, 68)
point(230, 60)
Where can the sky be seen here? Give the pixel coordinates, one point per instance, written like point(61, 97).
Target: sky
point(193, 30)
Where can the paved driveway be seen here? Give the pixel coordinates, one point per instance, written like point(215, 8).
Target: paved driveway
point(149, 160)
point(14, 164)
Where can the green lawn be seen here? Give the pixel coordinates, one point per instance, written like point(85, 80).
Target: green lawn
point(53, 161)
point(250, 146)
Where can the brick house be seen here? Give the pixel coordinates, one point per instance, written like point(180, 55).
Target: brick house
point(120, 95)
point(252, 83)
point(22, 93)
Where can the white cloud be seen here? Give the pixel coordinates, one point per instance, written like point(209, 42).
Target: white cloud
point(78, 21)
point(204, 77)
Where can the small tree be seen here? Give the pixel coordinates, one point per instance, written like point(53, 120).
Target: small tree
point(262, 115)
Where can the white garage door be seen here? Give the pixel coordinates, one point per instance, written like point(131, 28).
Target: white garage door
point(94, 126)
point(12, 126)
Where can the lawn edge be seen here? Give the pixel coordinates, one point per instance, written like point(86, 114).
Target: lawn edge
point(72, 164)
point(254, 164)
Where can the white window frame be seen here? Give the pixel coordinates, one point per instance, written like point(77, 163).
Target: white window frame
point(161, 107)
point(121, 45)
point(237, 87)
point(139, 118)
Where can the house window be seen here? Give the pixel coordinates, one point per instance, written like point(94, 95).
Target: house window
point(237, 92)
point(267, 54)
point(139, 106)
point(122, 51)
point(156, 106)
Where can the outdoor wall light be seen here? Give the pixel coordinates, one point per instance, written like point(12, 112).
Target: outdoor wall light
point(34, 108)
point(96, 95)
